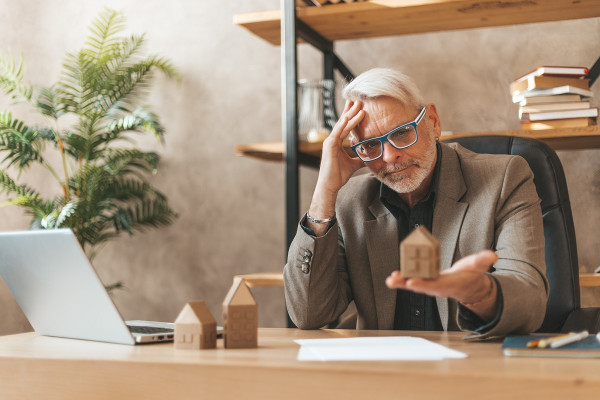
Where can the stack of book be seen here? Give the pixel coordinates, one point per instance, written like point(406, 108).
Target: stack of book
point(554, 97)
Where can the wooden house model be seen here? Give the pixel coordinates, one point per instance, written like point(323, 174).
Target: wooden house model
point(195, 327)
point(240, 317)
point(420, 255)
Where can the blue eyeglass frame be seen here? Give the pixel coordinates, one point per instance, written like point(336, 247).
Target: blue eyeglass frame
point(384, 138)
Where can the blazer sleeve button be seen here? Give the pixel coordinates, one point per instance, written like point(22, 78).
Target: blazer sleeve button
point(305, 267)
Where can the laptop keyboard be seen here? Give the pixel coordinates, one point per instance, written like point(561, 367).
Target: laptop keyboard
point(148, 329)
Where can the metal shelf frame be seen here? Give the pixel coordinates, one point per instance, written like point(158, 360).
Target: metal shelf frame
point(291, 29)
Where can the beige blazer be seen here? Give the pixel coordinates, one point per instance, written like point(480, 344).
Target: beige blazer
point(482, 202)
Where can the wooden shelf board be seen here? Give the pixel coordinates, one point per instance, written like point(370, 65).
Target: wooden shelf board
point(377, 18)
point(558, 139)
point(589, 280)
point(274, 151)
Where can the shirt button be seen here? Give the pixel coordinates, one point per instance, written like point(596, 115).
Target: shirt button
point(417, 313)
point(416, 225)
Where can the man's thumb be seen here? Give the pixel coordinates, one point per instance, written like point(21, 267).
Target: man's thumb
point(480, 261)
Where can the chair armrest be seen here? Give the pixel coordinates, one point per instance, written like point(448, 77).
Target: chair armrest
point(348, 322)
point(583, 319)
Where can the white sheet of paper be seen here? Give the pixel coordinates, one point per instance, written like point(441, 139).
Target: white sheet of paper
point(386, 348)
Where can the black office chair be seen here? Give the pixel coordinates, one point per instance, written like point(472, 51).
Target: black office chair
point(563, 312)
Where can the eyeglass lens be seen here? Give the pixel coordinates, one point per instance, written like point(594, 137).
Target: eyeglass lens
point(400, 139)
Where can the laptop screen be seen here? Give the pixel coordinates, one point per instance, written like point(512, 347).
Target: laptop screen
point(57, 288)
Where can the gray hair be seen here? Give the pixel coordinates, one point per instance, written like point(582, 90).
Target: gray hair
point(388, 82)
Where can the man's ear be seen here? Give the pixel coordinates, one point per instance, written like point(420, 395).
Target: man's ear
point(433, 120)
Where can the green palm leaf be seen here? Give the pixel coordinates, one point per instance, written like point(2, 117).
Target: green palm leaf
point(102, 41)
point(129, 82)
point(105, 190)
point(131, 161)
point(34, 206)
point(9, 186)
point(49, 103)
point(11, 78)
point(150, 213)
point(107, 74)
point(124, 190)
point(139, 121)
point(18, 142)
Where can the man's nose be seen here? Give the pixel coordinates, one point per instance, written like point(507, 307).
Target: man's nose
point(390, 153)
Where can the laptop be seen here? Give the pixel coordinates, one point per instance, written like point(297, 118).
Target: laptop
point(60, 293)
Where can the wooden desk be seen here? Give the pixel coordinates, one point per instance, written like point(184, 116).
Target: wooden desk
point(37, 367)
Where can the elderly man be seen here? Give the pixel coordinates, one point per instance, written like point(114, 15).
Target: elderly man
point(483, 209)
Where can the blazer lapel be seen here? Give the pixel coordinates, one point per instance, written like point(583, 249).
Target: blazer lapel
point(382, 247)
point(383, 244)
point(448, 216)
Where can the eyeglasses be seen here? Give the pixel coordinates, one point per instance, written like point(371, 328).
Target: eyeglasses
point(401, 137)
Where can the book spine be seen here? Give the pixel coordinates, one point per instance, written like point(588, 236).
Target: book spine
point(542, 116)
point(555, 71)
point(558, 124)
point(548, 82)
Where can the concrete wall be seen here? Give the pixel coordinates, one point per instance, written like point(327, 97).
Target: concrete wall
point(231, 209)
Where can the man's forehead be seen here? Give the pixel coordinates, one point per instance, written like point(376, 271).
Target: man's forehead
point(382, 115)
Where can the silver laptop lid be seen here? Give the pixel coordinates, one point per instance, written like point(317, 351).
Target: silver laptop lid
point(58, 290)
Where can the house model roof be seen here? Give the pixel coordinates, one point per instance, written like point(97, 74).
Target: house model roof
point(421, 236)
point(195, 312)
point(239, 294)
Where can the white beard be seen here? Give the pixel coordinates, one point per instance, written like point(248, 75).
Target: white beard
point(413, 179)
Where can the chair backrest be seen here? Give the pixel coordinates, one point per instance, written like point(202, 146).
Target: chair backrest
point(562, 268)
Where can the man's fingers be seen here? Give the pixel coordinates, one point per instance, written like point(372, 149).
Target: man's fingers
point(354, 121)
point(356, 163)
point(342, 127)
point(430, 287)
point(395, 280)
point(339, 127)
point(434, 287)
point(347, 106)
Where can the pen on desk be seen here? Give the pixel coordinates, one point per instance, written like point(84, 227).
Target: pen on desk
point(570, 339)
point(543, 343)
point(535, 343)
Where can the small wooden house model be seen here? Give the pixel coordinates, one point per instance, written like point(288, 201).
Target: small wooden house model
point(240, 317)
point(420, 255)
point(195, 327)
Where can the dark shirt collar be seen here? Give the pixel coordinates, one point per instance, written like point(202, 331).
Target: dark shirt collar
point(389, 196)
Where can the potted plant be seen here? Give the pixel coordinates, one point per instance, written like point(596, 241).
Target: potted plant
point(93, 111)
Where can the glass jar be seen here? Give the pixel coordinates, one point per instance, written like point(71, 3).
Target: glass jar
point(317, 114)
